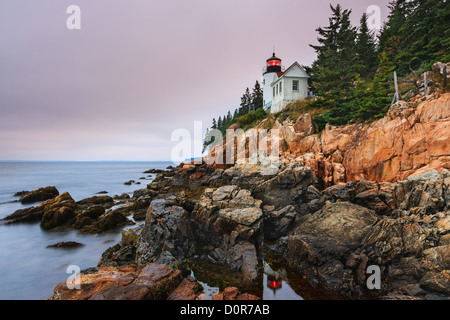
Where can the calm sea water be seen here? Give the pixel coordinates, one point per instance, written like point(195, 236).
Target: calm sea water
point(29, 270)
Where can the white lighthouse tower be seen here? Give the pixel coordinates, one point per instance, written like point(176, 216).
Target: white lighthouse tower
point(282, 87)
point(273, 66)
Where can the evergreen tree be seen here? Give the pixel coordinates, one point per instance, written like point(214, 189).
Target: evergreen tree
point(246, 102)
point(219, 123)
point(336, 67)
point(366, 50)
point(426, 33)
point(391, 37)
point(337, 62)
point(372, 100)
point(214, 123)
point(257, 96)
point(229, 119)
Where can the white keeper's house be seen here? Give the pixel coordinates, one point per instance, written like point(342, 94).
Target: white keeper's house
point(282, 86)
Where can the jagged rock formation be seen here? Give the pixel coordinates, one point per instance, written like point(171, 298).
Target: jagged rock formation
point(225, 226)
point(92, 215)
point(331, 235)
point(406, 141)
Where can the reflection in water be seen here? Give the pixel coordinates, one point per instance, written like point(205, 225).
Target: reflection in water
point(274, 288)
point(272, 284)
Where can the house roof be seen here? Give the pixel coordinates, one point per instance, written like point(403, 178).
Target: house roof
point(282, 74)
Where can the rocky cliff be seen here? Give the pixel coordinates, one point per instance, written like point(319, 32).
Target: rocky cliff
point(412, 138)
point(330, 235)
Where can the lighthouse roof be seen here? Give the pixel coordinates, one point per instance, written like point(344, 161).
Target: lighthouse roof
point(273, 57)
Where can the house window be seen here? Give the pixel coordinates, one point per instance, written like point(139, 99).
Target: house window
point(294, 85)
point(281, 87)
point(277, 88)
point(274, 92)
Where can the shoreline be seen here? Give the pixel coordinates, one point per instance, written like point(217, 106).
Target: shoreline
point(195, 209)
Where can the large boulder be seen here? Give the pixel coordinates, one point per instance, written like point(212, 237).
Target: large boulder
point(151, 282)
point(287, 186)
point(427, 190)
point(392, 238)
point(88, 216)
point(224, 227)
point(97, 200)
point(228, 223)
point(187, 290)
point(52, 213)
point(437, 261)
point(166, 229)
point(40, 194)
point(233, 293)
point(277, 223)
point(123, 253)
point(110, 220)
point(343, 222)
point(320, 245)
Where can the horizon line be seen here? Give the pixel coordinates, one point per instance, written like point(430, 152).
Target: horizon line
point(86, 161)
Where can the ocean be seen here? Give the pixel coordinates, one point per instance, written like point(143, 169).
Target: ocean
point(29, 270)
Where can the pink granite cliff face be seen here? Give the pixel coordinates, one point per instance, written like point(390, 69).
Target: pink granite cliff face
point(408, 140)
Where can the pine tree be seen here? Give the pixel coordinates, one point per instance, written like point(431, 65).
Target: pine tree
point(257, 96)
point(336, 67)
point(326, 50)
point(366, 50)
point(337, 62)
point(391, 36)
point(248, 100)
point(214, 123)
point(425, 35)
point(229, 119)
point(372, 100)
point(219, 123)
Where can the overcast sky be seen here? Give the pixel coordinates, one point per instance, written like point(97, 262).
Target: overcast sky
point(138, 69)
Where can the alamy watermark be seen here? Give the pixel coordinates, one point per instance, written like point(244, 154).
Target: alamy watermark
point(73, 22)
point(374, 280)
point(74, 280)
point(374, 17)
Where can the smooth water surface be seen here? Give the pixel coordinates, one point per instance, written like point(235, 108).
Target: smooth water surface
point(30, 270)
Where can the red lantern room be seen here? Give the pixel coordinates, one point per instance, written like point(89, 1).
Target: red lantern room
point(273, 64)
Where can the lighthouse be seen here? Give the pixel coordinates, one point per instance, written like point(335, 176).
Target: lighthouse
point(280, 86)
point(273, 66)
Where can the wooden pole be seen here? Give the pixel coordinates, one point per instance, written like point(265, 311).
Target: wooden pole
point(445, 75)
point(396, 87)
point(425, 83)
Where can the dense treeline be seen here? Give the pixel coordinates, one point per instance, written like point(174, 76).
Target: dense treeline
point(352, 76)
point(353, 73)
